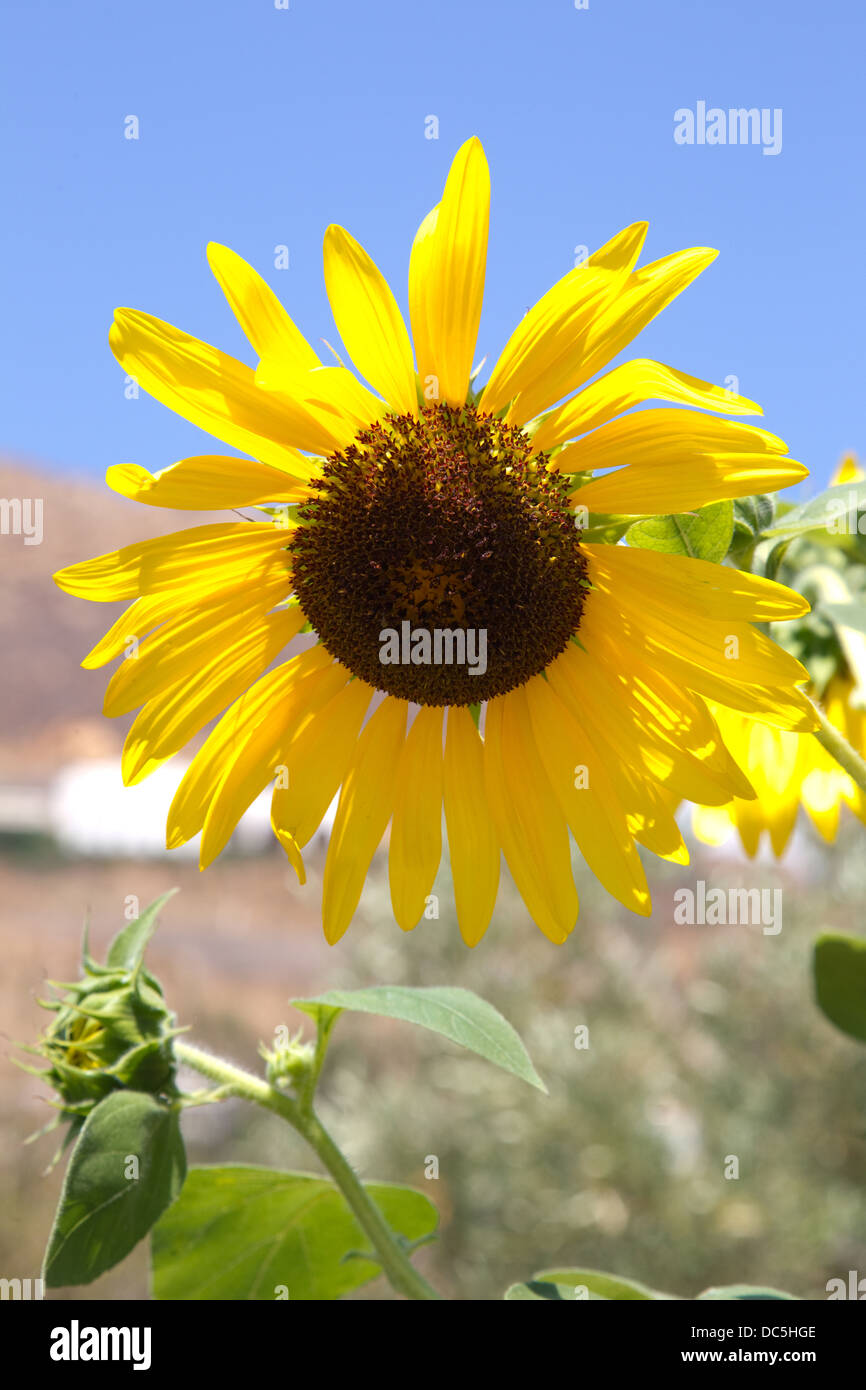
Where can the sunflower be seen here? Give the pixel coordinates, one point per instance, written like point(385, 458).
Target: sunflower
point(787, 771)
point(848, 470)
point(415, 503)
point(790, 770)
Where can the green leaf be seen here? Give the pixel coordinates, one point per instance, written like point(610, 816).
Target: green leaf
point(703, 535)
point(102, 1213)
point(457, 1014)
point(851, 615)
point(744, 1291)
point(126, 951)
point(840, 982)
point(562, 1283)
point(768, 556)
point(244, 1232)
point(849, 625)
point(755, 512)
point(601, 1285)
point(834, 510)
point(537, 1289)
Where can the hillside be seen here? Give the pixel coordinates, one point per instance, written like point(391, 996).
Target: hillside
point(50, 709)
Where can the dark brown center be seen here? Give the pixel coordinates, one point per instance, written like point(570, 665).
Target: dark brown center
point(438, 560)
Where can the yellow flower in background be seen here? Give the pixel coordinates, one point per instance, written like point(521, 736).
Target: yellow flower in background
point(787, 771)
point(415, 505)
point(848, 471)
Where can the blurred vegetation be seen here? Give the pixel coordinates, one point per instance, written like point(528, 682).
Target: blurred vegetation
point(704, 1043)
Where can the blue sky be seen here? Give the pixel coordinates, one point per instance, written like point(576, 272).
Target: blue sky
point(259, 126)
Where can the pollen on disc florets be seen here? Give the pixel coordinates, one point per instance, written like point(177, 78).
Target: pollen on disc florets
point(444, 523)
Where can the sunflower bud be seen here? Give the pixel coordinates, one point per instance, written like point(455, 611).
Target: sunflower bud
point(111, 1028)
point(289, 1062)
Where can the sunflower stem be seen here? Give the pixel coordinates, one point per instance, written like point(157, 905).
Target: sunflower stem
point(839, 748)
point(390, 1254)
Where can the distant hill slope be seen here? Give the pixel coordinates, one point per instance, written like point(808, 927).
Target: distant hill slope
point(49, 707)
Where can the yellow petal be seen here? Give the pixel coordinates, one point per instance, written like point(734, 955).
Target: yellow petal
point(364, 809)
point(633, 384)
point(698, 660)
point(661, 707)
point(529, 822)
point(260, 753)
point(602, 322)
point(649, 815)
point(715, 640)
point(713, 825)
point(214, 391)
point(771, 757)
point(210, 483)
point(472, 842)
point(683, 485)
point(651, 434)
point(693, 766)
point(183, 645)
point(369, 322)
point(258, 310)
point(173, 717)
point(332, 395)
point(446, 276)
point(416, 832)
point(622, 251)
point(848, 471)
point(318, 762)
point(676, 460)
point(542, 354)
point(789, 710)
point(202, 558)
point(133, 625)
point(727, 646)
point(643, 295)
point(200, 781)
point(681, 581)
point(751, 824)
point(583, 788)
point(293, 852)
point(419, 286)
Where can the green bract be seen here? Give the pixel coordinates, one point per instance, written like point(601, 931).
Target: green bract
point(112, 1028)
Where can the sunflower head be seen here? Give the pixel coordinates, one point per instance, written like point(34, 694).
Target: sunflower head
point(465, 645)
point(445, 521)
